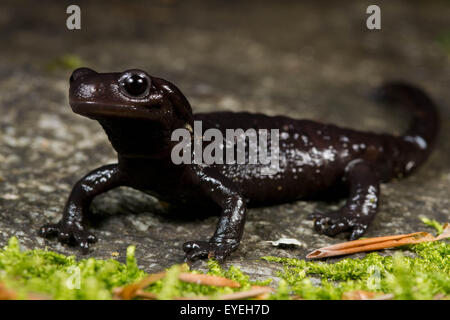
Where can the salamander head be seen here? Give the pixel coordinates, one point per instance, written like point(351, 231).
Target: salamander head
point(136, 110)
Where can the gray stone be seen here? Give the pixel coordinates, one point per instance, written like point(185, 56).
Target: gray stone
point(305, 60)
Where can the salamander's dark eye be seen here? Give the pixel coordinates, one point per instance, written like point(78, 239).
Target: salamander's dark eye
point(135, 85)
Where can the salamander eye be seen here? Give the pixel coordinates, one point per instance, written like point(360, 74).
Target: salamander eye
point(135, 85)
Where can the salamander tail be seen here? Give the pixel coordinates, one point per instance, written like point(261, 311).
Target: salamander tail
point(424, 126)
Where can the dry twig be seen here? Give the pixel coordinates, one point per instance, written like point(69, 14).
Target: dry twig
point(136, 289)
point(366, 295)
point(377, 243)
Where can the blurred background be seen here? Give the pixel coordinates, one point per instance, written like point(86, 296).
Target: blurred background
point(304, 59)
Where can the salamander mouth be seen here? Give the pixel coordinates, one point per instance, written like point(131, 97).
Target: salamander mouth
point(95, 110)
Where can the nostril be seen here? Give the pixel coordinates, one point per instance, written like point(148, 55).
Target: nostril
point(80, 72)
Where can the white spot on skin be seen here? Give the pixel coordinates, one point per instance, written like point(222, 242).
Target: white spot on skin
point(409, 166)
point(305, 140)
point(417, 140)
point(329, 154)
point(86, 90)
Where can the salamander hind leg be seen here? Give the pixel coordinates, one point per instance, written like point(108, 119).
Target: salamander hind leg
point(361, 206)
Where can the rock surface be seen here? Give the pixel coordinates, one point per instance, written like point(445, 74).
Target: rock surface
point(305, 60)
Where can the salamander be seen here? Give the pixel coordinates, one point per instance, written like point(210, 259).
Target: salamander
point(139, 113)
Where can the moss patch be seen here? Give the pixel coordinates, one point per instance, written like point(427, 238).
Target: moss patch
point(63, 277)
point(66, 62)
point(443, 40)
point(423, 277)
point(170, 286)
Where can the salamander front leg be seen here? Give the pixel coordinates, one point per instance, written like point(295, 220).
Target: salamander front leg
point(230, 227)
point(360, 208)
point(72, 227)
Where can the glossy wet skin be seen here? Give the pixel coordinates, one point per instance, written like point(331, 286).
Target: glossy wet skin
point(139, 112)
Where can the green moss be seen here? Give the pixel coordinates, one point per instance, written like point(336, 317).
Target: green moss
point(434, 224)
point(443, 39)
point(421, 277)
point(170, 286)
point(63, 277)
point(66, 62)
